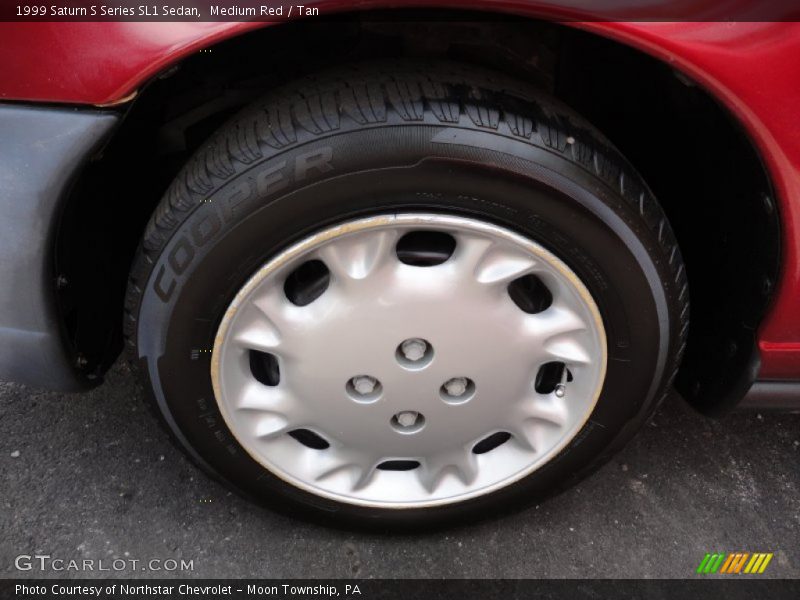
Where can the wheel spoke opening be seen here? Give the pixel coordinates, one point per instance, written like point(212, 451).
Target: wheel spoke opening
point(491, 442)
point(550, 375)
point(307, 282)
point(530, 294)
point(398, 465)
point(425, 248)
point(265, 368)
point(309, 439)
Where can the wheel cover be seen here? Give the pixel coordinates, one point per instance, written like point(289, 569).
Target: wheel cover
point(474, 333)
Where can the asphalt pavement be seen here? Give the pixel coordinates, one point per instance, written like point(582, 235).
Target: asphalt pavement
point(94, 477)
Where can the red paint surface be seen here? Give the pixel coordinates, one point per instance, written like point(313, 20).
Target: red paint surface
point(753, 68)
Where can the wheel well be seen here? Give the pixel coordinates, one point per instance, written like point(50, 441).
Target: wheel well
point(700, 164)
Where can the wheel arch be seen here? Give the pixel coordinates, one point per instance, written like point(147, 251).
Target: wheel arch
point(157, 117)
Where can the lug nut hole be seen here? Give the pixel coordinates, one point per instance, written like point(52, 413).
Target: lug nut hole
point(414, 353)
point(457, 390)
point(364, 389)
point(408, 421)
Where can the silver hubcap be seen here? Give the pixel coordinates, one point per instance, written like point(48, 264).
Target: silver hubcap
point(400, 385)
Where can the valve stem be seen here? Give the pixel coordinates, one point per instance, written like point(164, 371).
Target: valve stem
point(561, 387)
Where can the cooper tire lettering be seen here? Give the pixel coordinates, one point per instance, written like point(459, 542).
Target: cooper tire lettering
point(271, 180)
point(178, 262)
point(163, 294)
point(318, 159)
point(211, 223)
point(237, 198)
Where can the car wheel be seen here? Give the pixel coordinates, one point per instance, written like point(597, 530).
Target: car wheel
point(406, 294)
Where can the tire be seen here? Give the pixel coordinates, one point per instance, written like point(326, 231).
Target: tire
point(384, 138)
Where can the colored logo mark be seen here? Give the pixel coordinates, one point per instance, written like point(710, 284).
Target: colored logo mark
point(735, 562)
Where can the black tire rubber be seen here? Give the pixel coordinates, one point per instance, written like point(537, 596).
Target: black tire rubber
point(377, 138)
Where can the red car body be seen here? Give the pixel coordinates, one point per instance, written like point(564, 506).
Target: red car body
point(752, 68)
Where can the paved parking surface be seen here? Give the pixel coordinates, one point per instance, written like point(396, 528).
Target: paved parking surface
point(93, 476)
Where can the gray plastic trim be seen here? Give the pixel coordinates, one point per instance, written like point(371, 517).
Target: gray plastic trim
point(783, 396)
point(41, 151)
